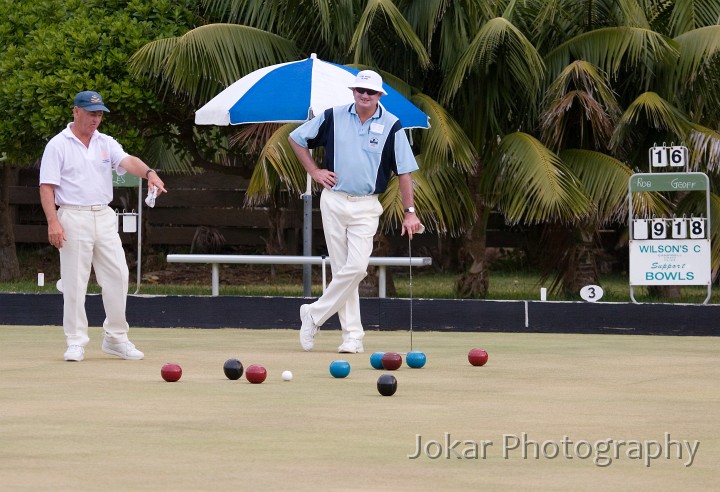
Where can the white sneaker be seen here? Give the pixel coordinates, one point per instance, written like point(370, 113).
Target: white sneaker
point(126, 350)
point(75, 353)
point(308, 328)
point(351, 347)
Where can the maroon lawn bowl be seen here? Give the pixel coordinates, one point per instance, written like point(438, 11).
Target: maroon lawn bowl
point(477, 357)
point(256, 374)
point(171, 372)
point(391, 361)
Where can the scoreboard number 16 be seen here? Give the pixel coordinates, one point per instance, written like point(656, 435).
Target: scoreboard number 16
point(673, 156)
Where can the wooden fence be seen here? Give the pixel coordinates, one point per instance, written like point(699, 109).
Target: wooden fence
point(210, 200)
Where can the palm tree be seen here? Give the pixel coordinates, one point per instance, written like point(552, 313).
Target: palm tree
point(254, 34)
point(500, 73)
point(619, 83)
point(540, 109)
point(397, 38)
point(581, 67)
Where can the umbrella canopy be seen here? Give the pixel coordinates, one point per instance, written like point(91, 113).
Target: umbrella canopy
point(295, 92)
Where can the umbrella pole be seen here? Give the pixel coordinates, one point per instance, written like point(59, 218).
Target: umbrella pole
point(307, 237)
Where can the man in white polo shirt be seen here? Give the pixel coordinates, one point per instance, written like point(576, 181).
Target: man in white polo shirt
point(76, 176)
point(365, 146)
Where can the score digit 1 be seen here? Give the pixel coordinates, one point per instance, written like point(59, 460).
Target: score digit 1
point(679, 228)
point(658, 156)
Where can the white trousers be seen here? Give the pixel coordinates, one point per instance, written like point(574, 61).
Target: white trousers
point(92, 240)
point(350, 224)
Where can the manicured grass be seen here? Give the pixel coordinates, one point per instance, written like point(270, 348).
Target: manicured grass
point(127, 429)
point(427, 285)
point(504, 284)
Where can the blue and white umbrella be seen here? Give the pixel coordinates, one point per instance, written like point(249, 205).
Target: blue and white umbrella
point(295, 92)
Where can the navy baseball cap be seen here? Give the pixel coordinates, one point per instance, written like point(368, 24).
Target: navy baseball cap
point(90, 101)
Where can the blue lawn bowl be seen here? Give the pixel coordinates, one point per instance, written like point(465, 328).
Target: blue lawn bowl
point(376, 360)
point(339, 368)
point(415, 359)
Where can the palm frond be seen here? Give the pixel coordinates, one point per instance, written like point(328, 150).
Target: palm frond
point(207, 59)
point(498, 42)
point(529, 183)
point(697, 50)
point(556, 120)
point(687, 16)
point(150, 60)
point(276, 163)
point(166, 155)
point(580, 91)
point(704, 148)
point(262, 15)
point(399, 25)
point(252, 137)
point(436, 210)
point(657, 113)
point(613, 48)
point(584, 76)
point(424, 17)
point(634, 13)
point(444, 143)
point(457, 27)
point(605, 179)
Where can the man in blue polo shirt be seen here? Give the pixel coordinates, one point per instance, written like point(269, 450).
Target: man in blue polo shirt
point(365, 146)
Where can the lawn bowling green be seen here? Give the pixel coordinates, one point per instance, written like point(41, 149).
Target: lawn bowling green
point(207, 433)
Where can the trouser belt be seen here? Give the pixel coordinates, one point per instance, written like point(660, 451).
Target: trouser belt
point(354, 198)
point(85, 208)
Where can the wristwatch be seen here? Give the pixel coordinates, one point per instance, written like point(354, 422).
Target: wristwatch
point(147, 173)
point(410, 210)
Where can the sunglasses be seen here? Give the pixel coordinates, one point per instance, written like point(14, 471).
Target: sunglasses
point(369, 92)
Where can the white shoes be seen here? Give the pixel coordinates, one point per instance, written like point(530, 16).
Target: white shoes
point(308, 328)
point(351, 347)
point(74, 353)
point(125, 350)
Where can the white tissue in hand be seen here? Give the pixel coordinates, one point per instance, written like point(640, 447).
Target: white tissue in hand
point(150, 199)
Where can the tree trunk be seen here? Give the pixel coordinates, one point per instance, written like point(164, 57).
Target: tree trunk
point(9, 266)
point(474, 282)
point(671, 292)
point(582, 268)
